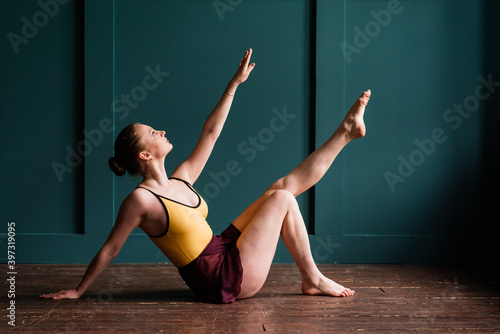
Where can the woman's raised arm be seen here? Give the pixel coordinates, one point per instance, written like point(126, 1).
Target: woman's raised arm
point(192, 167)
point(129, 217)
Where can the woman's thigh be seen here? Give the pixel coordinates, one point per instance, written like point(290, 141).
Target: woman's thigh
point(258, 241)
point(246, 216)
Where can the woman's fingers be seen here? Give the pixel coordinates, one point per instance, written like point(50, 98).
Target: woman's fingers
point(49, 295)
point(247, 56)
point(63, 294)
point(45, 296)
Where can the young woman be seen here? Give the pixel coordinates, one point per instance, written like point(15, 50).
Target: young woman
point(235, 264)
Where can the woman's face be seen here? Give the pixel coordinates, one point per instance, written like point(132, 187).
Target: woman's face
point(154, 141)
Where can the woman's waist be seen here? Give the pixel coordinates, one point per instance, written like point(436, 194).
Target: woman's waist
point(181, 250)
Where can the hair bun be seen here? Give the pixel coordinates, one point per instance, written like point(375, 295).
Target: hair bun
point(116, 167)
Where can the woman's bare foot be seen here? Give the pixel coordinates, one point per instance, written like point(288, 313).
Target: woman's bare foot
point(353, 122)
point(325, 287)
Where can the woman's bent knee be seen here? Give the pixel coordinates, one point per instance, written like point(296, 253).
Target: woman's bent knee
point(283, 196)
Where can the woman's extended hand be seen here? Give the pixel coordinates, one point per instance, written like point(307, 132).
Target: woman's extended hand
point(63, 294)
point(244, 69)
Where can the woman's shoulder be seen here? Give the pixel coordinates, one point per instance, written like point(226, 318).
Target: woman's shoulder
point(139, 199)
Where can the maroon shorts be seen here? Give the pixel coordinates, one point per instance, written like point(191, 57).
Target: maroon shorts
point(216, 273)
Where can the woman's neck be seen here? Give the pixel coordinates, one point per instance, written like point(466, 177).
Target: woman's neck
point(156, 173)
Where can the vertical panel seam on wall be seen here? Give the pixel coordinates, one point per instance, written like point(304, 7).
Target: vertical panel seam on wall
point(80, 100)
point(313, 7)
point(113, 62)
point(343, 108)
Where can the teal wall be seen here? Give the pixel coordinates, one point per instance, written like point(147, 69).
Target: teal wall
point(416, 189)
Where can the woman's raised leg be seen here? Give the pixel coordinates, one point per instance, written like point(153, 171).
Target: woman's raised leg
point(312, 169)
point(276, 213)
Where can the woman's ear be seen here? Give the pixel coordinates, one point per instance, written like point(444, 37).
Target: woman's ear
point(145, 155)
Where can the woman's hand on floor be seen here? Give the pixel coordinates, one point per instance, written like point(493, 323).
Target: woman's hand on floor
point(63, 294)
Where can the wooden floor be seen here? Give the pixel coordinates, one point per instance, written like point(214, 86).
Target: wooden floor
point(152, 298)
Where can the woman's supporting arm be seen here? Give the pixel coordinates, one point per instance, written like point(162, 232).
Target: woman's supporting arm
point(129, 217)
point(95, 268)
point(192, 167)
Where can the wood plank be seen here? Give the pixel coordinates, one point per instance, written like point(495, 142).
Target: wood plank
point(153, 298)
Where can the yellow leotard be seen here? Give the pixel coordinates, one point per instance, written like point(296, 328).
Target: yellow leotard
point(187, 233)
